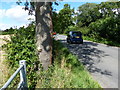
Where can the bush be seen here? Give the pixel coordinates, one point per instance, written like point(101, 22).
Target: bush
point(107, 28)
point(22, 47)
point(70, 28)
point(83, 30)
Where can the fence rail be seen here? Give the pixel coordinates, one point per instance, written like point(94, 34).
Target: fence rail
point(23, 79)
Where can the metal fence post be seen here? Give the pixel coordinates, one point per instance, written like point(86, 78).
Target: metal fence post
point(23, 79)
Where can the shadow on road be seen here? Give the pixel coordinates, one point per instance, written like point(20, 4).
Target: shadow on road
point(89, 55)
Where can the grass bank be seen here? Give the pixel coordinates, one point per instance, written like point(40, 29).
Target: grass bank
point(102, 40)
point(66, 72)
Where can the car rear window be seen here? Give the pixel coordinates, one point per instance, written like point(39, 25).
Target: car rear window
point(76, 34)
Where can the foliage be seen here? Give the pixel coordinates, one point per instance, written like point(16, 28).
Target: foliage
point(70, 28)
point(109, 9)
point(63, 19)
point(107, 28)
point(102, 40)
point(22, 47)
point(7, 31)
point(84, 30)
point(87, 14)
point(67, 71)
point(64, 73)
point(90, 12)
point(100, 21)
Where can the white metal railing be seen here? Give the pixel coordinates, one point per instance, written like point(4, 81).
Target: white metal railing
point(23, 79)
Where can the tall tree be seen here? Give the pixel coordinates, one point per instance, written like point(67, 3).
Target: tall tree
point(43, 33)
point(109, 8)
point(108, 25)
point(63, 19)
point(85, 16)
point(43, 30)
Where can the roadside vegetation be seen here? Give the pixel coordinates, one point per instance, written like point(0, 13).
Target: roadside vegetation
point(22, 47)
point(102, 40)
point(97, 22)
point(7, 31)
point(65, 72)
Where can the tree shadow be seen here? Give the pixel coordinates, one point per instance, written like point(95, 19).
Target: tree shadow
point(89, 55)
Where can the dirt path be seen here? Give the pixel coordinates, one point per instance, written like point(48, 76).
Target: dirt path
point(3, 67)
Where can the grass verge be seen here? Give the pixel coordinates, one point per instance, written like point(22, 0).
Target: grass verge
point(102, 40)
point(66, 72)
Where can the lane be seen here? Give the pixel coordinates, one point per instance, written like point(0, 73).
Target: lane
point(99, 59)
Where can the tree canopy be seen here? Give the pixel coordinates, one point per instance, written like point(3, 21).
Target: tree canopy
point(63, 19)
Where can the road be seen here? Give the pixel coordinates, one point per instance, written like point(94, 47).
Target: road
point(99, 59)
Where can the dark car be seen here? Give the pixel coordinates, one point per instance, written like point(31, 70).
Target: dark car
point(74, 37)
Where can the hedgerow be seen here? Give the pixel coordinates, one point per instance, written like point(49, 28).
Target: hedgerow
point(22, 47)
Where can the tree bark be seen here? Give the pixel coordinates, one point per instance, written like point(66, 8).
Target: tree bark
point(43, 33)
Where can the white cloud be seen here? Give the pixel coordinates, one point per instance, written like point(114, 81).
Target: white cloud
point(57, 11)
point(4, 26)
point(2, 13)
point(16, 14)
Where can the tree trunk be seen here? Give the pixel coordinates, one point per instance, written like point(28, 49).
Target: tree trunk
point(43, 33)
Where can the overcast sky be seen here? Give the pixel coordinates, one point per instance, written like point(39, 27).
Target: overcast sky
point(13, 15)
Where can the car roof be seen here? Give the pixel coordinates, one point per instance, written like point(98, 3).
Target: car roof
point(75, 31)
point(70, 32)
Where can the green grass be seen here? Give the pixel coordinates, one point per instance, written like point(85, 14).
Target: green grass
point(66, 72)
point(6, 33)
point(102, 40)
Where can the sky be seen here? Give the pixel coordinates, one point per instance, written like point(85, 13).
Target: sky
point(12, 15)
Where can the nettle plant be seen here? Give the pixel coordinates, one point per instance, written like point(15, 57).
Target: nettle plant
point(22, 47)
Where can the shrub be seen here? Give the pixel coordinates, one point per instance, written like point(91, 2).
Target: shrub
point(22, 47)
point(106, 28)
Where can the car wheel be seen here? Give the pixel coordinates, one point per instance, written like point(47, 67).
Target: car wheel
point(71, 42)
point(82, 42)
point(68, 41)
